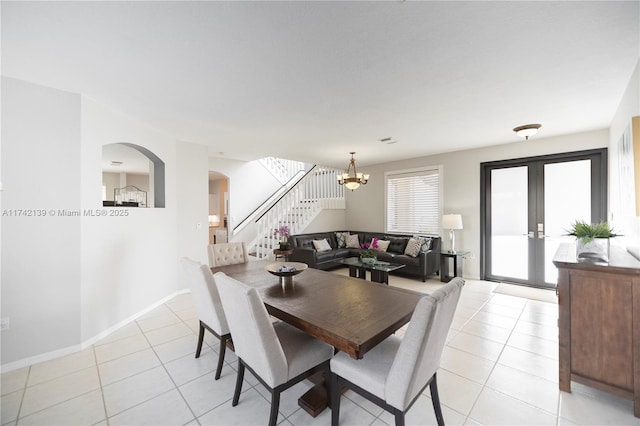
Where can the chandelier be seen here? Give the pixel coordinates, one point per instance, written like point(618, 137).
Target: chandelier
point(355, 179)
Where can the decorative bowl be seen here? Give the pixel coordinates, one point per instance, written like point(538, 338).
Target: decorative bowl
point(286, 270)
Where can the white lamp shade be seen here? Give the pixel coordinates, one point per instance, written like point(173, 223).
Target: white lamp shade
point(452, 221)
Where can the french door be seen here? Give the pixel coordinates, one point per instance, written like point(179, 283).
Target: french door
point(528, 204)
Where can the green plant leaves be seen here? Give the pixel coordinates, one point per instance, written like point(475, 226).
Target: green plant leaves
point(588, 231)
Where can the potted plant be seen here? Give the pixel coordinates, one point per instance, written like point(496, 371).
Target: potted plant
point(592, 240)
point(369, 254)
point(283, 233)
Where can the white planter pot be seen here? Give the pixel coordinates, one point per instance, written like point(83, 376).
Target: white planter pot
point(596, 250)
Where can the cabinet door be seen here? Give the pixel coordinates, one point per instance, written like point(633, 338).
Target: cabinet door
point(602, 328)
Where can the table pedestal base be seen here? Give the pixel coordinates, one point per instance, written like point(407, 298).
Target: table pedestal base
point(316, 399)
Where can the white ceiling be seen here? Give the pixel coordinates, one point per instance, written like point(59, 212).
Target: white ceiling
point(132, 160)
point(312, 81)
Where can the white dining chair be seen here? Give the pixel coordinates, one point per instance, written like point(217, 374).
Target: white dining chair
point(395, 372)
point(227, 254)
point(278, 355)
point(205, 296)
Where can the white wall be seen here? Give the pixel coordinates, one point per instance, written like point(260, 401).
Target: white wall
point(110, 181)
point(67, 280)
point(250, 184)
point(128, 263)
point(141, 181)
point(192, 183)
point(41, 273)
point(328, 220)
point(623, 217)
point(461, 180)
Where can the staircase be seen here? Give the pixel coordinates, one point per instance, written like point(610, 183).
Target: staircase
point(282, 169)
point(316, 191)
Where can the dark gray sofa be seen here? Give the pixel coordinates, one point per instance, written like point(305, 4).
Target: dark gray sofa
point(425, 264)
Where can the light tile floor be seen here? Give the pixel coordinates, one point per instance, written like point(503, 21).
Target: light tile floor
point(500, 367)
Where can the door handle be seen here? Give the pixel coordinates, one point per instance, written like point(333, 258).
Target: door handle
point(530, 234)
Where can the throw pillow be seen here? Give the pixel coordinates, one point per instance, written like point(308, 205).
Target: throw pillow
point(341, 238)
point(322, 245)
point(373, 244)
point(352, 241)
point(425, 243)
point(383, 245)
point(413, 247)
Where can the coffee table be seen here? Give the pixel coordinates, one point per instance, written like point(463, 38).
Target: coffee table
point(379, 270)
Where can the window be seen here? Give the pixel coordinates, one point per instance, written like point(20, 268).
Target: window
point(414, 200)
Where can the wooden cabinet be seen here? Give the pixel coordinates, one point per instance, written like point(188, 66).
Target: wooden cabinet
point(599, 323)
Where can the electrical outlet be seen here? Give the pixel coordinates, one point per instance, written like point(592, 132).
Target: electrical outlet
point(4, 323)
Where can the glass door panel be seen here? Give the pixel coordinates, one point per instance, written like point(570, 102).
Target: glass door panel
point(528, 205)
point(567, 198)
point(509, 222)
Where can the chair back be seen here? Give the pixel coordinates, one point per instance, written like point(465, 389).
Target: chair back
point(227, 254)
point(254, 338)
point(199, 279)
point(418, 356)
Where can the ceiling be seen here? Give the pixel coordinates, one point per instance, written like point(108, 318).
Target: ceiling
point(311, 81)
point(119, 158)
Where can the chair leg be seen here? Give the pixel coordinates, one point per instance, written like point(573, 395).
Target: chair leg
point(435, 399)
point(200, 340)
point(221, 352)
point(399, 418)
point(239, 379)
point(334, 388)
point(275, 405)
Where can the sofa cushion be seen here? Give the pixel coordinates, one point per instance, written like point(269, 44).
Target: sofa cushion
point(343, 252)
point(387, 257)
point(321, 245)
point(353, 241)
point(407, 260)
point(325, 256)
point(341, 239)
point(397, 244)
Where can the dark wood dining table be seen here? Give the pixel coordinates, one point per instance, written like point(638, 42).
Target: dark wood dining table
point(350, 314)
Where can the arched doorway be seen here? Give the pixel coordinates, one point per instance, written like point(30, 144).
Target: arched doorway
point(133, 170)
point(218, 207)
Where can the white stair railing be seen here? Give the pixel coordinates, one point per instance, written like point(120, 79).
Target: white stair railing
point(318, 190)
point(282, 169)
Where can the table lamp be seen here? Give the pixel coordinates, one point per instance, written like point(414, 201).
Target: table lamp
point(452, 222)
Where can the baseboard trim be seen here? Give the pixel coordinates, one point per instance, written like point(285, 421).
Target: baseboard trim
point(48, 356)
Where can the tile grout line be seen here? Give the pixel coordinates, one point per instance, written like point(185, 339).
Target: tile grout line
point(104, 403)
point(24, 393)
point(484, 385)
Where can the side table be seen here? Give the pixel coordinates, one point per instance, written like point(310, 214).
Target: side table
point(283, 253)
point(457, 256)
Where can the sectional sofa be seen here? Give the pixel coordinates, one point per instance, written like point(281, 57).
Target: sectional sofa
point(425, 262)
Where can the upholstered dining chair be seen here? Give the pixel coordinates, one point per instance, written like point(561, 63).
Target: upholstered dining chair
point(278, 355)
point(394, 373)
point(208, 306)
point(227, 254)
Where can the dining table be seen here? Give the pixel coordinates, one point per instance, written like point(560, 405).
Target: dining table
point(348, 313)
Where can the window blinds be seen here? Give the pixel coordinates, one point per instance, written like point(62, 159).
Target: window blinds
point(413, 201)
